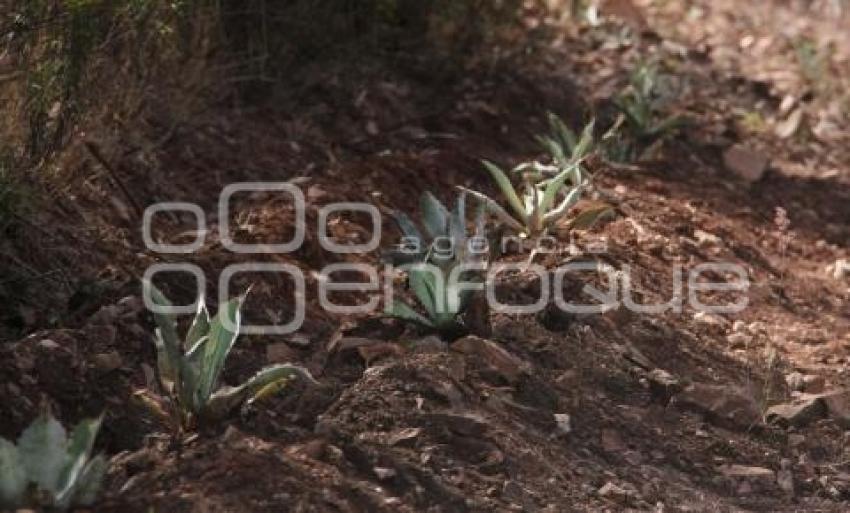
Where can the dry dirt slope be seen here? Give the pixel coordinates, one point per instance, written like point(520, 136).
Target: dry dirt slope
point(665, 412)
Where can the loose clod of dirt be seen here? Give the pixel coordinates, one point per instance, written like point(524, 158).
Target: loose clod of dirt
point(681, 411)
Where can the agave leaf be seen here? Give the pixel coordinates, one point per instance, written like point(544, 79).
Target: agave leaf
point(457, 223)
point(227, 398)
point(166, 322)
point(166, 339)
point(589, 216)
point(582, 148)
point(554, 186)
point(200, 325)
point(155, 404)
point(507, 188)
point(79, 450)
point(670, 123)
point(455, 299)
point(494, 208)
point(275, 375)
point(554, 148)
point(402, 310)
point(42, 449)
point(224, 328)
point(633, 115)
point(407, 226)
point(167, 363)
point(90, 481)
point(569, 201)
point(567, 136)
point(435, 216)
point(422, 280)
point(13, 476)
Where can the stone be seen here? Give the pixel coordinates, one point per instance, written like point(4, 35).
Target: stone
point(724, 405)
point(794, 381)
point(789, 126)
point(838, 407)
point(738, 340)
point(663, 385)
point(562, 423)
point(620, 494)
point(710, 319)
point(810, 384)
point(384, 473)
point(840, 269)
point(813, 384)
point(495, 356)
point(106, 315)
point(747, 163)
point(706, 239)
point(107, 362)
point(48, 344)
point(747, 479)
point(429, 344)
point(798, 413)
point(404, 436)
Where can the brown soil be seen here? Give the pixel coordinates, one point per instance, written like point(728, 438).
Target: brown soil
point(420, 426)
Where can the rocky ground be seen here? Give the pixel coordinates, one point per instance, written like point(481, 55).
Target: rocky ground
point(682, 411)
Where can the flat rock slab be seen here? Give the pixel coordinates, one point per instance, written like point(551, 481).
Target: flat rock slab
point(798, 413)
point(726, 406)
point(747, 163)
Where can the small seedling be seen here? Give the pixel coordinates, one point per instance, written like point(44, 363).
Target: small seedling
point(641, 115)
point(565, 147)
point(49, 469)
point(190, 372)
point(430, 274)
point(536, 205)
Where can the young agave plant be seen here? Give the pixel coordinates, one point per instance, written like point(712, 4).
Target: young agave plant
point(189, 372)
point(444, 240)
point(429, 276)
point(640, 109)
point(562, 143)
point(534, 203)
point(48, 469)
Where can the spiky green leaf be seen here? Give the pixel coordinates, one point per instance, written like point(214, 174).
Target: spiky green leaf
point(457, 222)
point(407, 226)
point(166, 340)
point(200, 325)
point(90, 481)
point(224, 328)
point(585, 142)
point(42, 449)
point(435, 216)
point(587, 218)
point(561, 210)
point(507, 189)
point(401, 310)
point(494, 208)
point(423, 281)
point(13, 476)
point(227, 398)
point(555, 185)
point(79, 451)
